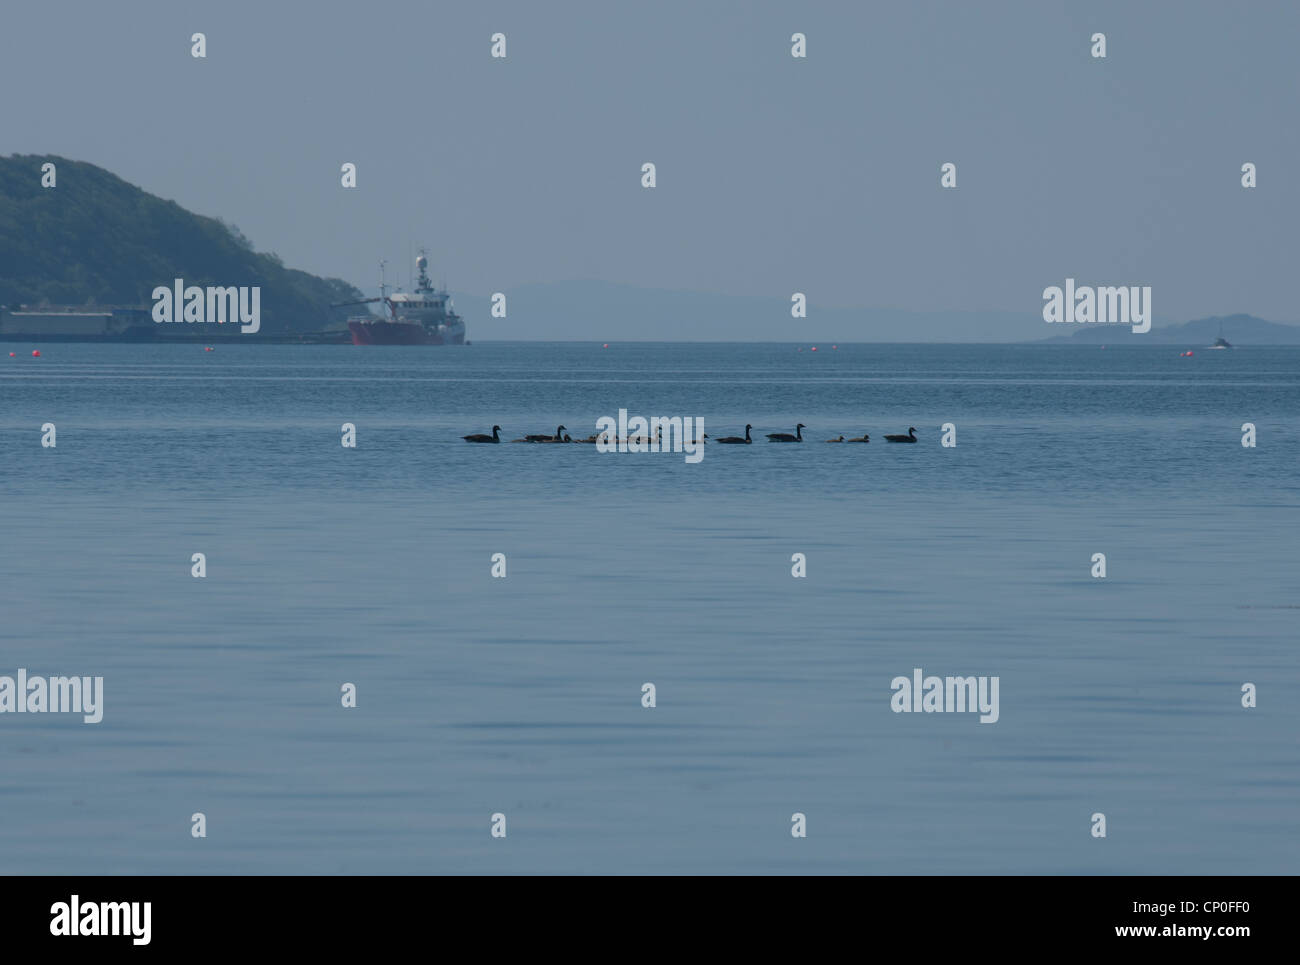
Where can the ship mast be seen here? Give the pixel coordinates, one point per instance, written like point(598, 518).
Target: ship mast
point(422, 263)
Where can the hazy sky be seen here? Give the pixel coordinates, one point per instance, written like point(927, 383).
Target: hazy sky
point(774, 174)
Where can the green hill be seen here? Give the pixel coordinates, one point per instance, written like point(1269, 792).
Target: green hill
point(96, 240)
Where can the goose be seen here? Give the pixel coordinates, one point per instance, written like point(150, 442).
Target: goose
point(910, 437)
point(862, 438)
point(484, 437)
point(736, 440)
point(786, 437)
point(840, 439)
point(559, 434)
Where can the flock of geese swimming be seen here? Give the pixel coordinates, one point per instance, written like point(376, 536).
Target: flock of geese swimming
point(745, 440)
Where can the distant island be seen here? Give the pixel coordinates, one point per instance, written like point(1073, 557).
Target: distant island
point(96, 242)
point(1237, 329)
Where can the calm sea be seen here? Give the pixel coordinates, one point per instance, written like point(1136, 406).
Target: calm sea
point(522, 695)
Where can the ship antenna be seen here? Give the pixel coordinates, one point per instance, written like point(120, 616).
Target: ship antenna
point(383, 286)
point(422, 265)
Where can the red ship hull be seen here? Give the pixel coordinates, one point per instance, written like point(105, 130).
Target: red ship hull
point(380, 332)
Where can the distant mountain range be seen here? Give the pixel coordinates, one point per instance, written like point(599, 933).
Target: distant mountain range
point(1237, 329)
point(95, 240)
point(605, 311)
point(608, 311)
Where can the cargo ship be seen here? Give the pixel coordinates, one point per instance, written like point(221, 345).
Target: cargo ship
point(422, 317)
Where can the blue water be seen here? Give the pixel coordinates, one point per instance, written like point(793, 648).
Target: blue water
point(522, 695)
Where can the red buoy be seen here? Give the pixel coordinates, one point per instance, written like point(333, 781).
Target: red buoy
point(36, 353)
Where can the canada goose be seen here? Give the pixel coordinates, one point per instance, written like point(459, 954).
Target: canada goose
point(910, 437)
point(786, 437)
point(840, 439)
point(737, 440)
point(559, 434)
point(483, 437)
point(862, 438)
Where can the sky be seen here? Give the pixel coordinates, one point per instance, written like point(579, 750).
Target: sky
point(774, 174)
